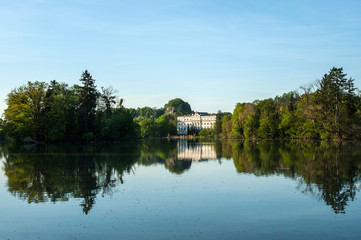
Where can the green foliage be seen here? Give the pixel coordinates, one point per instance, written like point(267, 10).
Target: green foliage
point(147, 112)
point(207, 132)
point(108, 99)
point(61, 115)
point(226, 126)
point(147, 128)
point(306, 124)
point(178, 106)
point(119, 125)
point(25, 113)
point(268, 119)
point(287, 124)
point(218, 125)
point(330, 112)
point(166, 125)
point(155, 122)
point(2, 130)
point(335, 98)
point(87, 102)
point(287, 100)
point(251, 125)
point(163, 126)
point(240, 119)
point(57, 112)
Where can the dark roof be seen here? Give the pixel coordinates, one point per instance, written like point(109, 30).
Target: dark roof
point(202, 113)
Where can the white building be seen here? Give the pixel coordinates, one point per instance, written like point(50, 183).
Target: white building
point(196, 121)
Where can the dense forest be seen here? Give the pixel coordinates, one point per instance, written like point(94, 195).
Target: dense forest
point(48, 112)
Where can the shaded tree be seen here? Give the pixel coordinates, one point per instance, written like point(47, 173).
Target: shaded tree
point(108, 98)
point(2, 130)
point(218, 125)
point(226, 126)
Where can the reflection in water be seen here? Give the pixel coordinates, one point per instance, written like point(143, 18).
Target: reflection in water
point(57, 173)
point(195, 151)
point(328, 171)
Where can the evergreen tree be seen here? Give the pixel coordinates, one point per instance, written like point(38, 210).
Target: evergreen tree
point(334, 97)
point(87, 103)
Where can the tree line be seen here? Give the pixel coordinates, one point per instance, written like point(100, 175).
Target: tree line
point(39, 111)
point(54, 111)
point(160, 122)
point(328, 109)
point(50, 112)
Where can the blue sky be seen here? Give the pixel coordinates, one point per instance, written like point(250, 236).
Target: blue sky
point(212, 54)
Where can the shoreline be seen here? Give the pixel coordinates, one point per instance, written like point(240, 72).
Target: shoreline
point(184, 137)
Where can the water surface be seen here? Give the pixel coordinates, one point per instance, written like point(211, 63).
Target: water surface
point(181, 190)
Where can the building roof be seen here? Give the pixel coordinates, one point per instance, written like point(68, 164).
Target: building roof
point(199, 113)
point(203, 113)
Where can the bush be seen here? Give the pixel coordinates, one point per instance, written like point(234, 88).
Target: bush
point(207, 132)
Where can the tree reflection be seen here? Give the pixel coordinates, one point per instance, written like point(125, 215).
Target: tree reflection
point(177, 166)
point(328, 171)
point(165, 153)
point(57, 173)
point(40, 173)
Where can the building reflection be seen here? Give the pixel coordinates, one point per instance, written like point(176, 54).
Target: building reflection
point(195, 151)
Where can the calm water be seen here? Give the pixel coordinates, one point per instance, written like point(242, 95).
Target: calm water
point(181, 190)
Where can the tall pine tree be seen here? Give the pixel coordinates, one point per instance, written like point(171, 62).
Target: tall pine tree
point(333, 96)
point(87, 103)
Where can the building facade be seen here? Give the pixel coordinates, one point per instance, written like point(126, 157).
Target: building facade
point(195, 122)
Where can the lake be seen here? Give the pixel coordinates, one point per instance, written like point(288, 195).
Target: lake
point(181, 190)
